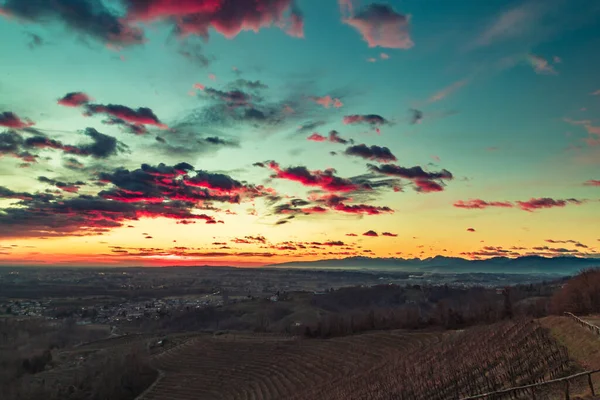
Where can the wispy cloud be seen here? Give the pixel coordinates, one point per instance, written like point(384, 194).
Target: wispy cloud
point(447, 91)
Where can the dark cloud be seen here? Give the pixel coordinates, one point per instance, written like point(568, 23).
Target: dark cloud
point(416, 116)
point(232, 98)
point(141, 116)
point(70, 187)
point(102, 146)
point(389, 234)
point(250, 85)
point(415, 172)
point(11, 144)
point(381, 26)
point(470, 229)
point(309, 126)
point(370, 233)
point(194, 53)
point(11, 120)
point(91, 18)
point(228, 17)
point(546, 202)
point(374, 120)
point(74, 99)
point(375, 153)
point(325, 180)
point(423, 181)
point(175, 183)
point(35, 40)
point(72, 163)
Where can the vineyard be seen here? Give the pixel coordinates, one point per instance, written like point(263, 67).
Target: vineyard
point(382, 365)
point(272, 367)
point(479, 360)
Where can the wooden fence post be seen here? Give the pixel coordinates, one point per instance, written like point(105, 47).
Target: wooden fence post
point(591, 384)
point(567, 397)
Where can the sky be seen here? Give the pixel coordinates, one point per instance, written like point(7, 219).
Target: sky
point(234, 132)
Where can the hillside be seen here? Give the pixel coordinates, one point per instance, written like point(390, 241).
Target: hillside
point(522, 265)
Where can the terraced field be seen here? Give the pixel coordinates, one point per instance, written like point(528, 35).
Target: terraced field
point(265, 367)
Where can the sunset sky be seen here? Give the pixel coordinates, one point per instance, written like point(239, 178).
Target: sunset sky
point(235, 132)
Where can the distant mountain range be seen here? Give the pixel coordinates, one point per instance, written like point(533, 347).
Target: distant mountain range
point(441, 264)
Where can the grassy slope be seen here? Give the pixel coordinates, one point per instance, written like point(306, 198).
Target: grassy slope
point(583, 345)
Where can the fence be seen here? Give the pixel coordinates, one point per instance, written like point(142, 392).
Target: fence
point(583, 323)
point(531, 389)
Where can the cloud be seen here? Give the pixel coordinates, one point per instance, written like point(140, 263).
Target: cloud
point(381, 26)
point(141, 116)
point(374, 120)
point(596, 93)
point(482, 204)
point(445, 92)
point(315, 137)
point(415, 172)
point(89, 18)
point(370, 233)
point(158, 184)
point(35, 40)
point(592, 182)
point(384, 56)
point(232, 98)
point(546, 202)
point(309, 126)
point(251, 85)
point(511, 24)
point(470, 229)
point(528, 205)
point(11, 120)
point(375, 153)
point(541, 65)
point(328, 101)
point(427, 186)
point(194, 53)
point(70, 187)
point(84, 215)
point(416, 116)
point(102, 145)
point(362, 209)
point(227, 17)
point(574, 242)
point(74, 99)
point(389, 234)
point(423, 181)
point(333, 137)
point(325, 180)
point(12, 144)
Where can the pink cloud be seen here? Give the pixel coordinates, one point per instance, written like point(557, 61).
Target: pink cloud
point(592, 182)
point(384, 56)
point(11, 120)
point(371, 60)
point(327, 101)
point(212, 77)
point(381, 26)
point(227, 17)
point(481, 204)
point(596, 93)
point(315, 137)
point(199, 86)
point(74, 99)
